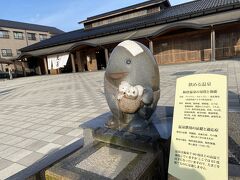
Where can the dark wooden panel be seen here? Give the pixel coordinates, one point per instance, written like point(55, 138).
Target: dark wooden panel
point(195, 46)
point(228, 42)
point(189, 47)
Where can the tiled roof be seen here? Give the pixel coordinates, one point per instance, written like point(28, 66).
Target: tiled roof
point(143, 4)
point(171, 14)
point(28, 26)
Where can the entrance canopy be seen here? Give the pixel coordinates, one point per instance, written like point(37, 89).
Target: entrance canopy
point(47, 51)
point(5, 61)
point(55, 50)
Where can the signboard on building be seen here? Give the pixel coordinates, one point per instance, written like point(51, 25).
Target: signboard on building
point(199, 145)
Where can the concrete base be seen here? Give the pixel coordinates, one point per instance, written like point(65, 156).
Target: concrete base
point(103, 161)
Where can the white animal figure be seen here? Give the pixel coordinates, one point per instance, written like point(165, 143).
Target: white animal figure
point(130, 98)
point(132, 92)
point(140, 90)
point(123, 88)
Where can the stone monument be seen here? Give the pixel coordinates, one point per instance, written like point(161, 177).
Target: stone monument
point(131, 86)
point(125, 144)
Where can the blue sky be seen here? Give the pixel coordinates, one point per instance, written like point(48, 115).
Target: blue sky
point(63, 14)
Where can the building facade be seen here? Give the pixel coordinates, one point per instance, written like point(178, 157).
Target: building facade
point(196, 31)
point(16, 35)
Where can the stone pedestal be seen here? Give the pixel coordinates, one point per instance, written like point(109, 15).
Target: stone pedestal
point(106, 161)
point(114, 154)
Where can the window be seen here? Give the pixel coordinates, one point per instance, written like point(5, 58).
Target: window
point(31, 36)
point(4, 34)
point(18, 52)
point(42, 37)
point(7, 53)
point(18, 35)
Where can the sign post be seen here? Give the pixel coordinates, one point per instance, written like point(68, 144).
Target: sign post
point(199, 145)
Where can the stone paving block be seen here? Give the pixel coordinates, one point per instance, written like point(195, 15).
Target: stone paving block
point(23, 132)
point(5, 129)
point(51, 137)
point(64, 118)
point(26, 125)
point(49, 148)
point(53, 129)
point(76, 132)
point(35, 126)
point(64, 131)
point(16, 140)
point(9, 151)
point(4, 163)
point(25, 143)
point(3, 147)
point(2, 135)
point(7, 139)
point(18, 155)
point(30, 159)
point(30, 134)
point(13, 130)
point(11, 170)
point(36, 145)
point(40, 135)
point(56, 123)
point(64, 140)
point(43, 128)
point(65, 123)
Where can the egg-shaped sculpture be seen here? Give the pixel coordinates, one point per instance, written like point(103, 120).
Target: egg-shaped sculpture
point(131, 86)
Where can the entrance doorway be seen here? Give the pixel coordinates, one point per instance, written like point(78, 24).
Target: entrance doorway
point(68, 67)
point(101, 61)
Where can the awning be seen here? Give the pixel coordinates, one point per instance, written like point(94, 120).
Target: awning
point(47, 51)
point(69, 47)
point(55, 50)
point(116, 38)
point(5, 61)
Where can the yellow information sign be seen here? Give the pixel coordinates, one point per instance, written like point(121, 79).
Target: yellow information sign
point(199, 145)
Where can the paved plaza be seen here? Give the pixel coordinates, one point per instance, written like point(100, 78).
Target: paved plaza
point(41, 115)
